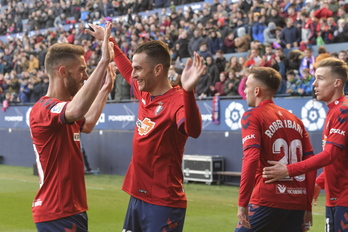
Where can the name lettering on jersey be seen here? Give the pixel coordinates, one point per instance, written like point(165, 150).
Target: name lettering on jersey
point(159, 108)
point(145, 126)
point(337, 131)
point(76, 136)
point(37, 202)
point(277, 124)
point(252, 136)
point(58, 107)
point(282, 189)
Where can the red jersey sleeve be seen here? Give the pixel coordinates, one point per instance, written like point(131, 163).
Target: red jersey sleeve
point(249, 167)
point(322, 159)
point(193, 118)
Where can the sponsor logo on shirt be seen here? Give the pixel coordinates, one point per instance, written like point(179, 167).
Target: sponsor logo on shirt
point(37, 202)
point(145, 126)
point(337, 131)
point(58, 108)
point(252, 136)
point(282, 189)
point(76, 136)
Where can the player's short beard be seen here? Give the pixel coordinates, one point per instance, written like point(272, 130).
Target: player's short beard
point(72, 85)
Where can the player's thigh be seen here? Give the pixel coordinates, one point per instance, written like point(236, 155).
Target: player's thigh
point(267, 219)
point(165, 219)
point(145, 217)
point(340, 219)
point(77, 222)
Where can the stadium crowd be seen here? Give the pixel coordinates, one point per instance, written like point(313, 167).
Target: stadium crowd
point(278, 34)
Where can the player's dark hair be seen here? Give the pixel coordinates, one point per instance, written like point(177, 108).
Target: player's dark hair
point(268, 76)
point(338, 67)
point(61, 53)
point(157, 52)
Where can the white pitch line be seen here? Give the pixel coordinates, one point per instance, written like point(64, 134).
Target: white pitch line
point(37, 182)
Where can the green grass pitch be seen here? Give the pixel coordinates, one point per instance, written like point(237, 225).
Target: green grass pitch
point(210, 207)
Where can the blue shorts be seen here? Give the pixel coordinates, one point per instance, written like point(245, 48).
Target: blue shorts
point(336, 219)
point(74, 223)
point(267, 219)
point(145, 217)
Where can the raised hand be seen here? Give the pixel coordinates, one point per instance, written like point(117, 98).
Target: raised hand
point(192, 72)
point(107, 47)
point(110, 77)
point(98, 31)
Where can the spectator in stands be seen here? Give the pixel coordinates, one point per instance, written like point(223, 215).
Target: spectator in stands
point(45, 83)
point(33, 63)
point(307, 62)
point(242, 83)
point(35, 87)
point(231, 84)
point(340, 35)
point(218, 89)
point(258, 28)
point(322, 54)
point(203, 84)
point(293, 83)
point(275, 18)
point(269, 34)
point(253, 59)
point(290, 36)
point(195, 41)
point(307, 80)
point(308, 30)
point(220, 60)
point(214, 41)
point(212, 69)
point(245, 6)
point(324, 11)
point(121, 89)
point(203, 50)
point(268, 59)
point(234, 65)
point(242, 42)
point(24, 91)
point(229, 46)
point(293, 60)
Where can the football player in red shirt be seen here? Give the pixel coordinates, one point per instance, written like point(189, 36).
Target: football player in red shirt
point(167, 116)
point(72, 105)
point(330, 79)
point(270, 132)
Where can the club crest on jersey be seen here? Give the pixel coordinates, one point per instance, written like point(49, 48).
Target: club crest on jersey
point(76, 136)
point(145, 126)
point(159, 108)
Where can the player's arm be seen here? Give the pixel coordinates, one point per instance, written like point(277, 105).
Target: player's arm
point(189, 78)
point(249, 166)
point(279, 171)
point(84, 98)
point(97, 107)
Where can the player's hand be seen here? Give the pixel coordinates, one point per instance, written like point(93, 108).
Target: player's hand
point(307, 221)
point(192, 72)
point(317, 190)
point(275, 172)
point(243, 216)
point(107, 47)
point(110, 77)
point(98, 31)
